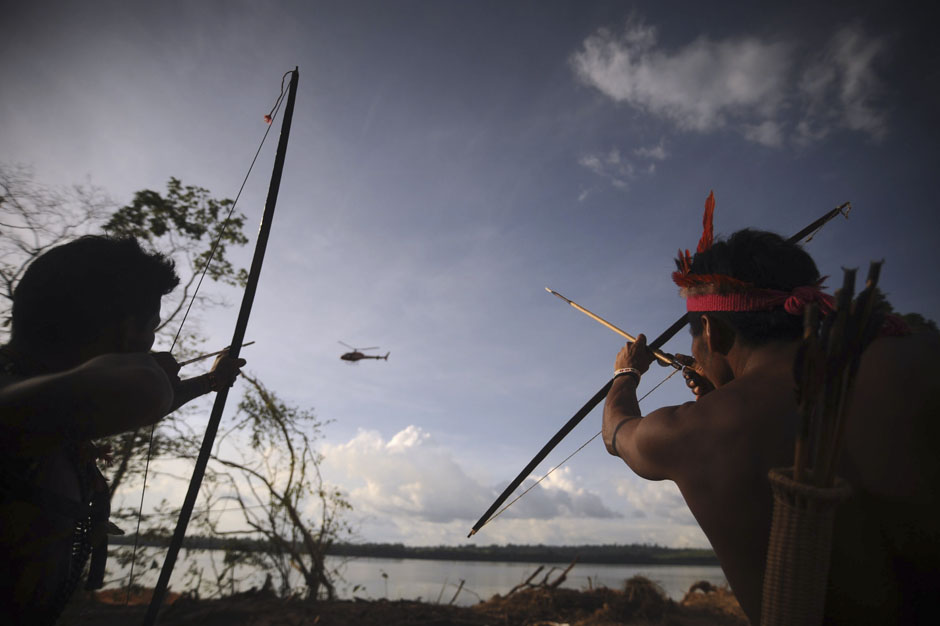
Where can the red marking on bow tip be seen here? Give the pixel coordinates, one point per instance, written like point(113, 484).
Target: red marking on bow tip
point(267, 119)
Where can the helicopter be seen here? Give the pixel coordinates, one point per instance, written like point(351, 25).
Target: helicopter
point(357, 354)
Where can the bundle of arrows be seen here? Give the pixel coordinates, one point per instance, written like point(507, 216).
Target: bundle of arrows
point(825, 371)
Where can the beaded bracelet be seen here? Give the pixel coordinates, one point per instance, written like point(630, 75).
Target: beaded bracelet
point(628, 371)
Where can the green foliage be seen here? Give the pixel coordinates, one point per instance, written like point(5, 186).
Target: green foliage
point(186, 219)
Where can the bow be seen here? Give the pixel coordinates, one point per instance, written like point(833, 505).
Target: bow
point(237, 339)
point(807, 233)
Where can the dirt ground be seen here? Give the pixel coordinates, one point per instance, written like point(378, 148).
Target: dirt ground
point(640, 601)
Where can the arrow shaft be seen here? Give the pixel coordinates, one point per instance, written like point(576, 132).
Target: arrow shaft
point(206, 356)
point(662, 357)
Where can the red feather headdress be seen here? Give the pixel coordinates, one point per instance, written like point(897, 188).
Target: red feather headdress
point(688, 281)
point(720, 292)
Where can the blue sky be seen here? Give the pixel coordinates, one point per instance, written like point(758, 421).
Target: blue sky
point(451, 159)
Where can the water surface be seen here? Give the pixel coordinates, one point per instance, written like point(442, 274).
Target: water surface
point(429, 580)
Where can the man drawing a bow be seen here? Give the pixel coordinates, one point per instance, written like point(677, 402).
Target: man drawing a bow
point(745, 297)
point(78, 367)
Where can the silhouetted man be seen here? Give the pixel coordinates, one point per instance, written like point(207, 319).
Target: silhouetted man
point(77, 368)
point(745, 298)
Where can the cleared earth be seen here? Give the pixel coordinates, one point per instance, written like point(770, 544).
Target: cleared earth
point(640, 601)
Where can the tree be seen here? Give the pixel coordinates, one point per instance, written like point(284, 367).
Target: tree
point(35, 218)
point(279, 493)
point(183, 223)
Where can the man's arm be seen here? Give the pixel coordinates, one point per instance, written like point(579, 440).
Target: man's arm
point(224, 371)
point(653, 446)
point(104, 396)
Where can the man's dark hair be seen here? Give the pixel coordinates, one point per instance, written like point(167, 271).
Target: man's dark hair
point(71, 294)
point(765, 260)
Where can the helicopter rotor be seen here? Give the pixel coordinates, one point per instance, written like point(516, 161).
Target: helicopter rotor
point(358, 349)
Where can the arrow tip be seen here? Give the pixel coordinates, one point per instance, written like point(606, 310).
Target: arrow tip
point(557, 295)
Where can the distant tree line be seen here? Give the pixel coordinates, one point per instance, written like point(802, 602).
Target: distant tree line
point(611, 554)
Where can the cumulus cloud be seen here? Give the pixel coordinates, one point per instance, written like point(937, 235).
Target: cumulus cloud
point(620, 170)
point(411, 477)
point(652, 153)
point(407, 475)
point(559, 495)
point(699, 86)
point(609, 165)
point(660, 500)
point(767, 133)
point(840, 87)
point(746, 84)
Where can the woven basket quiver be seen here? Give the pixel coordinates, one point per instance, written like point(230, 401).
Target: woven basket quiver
point(797, 567)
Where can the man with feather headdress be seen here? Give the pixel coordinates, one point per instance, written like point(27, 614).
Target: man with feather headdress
point(745, 298)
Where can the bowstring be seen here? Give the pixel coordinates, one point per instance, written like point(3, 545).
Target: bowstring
point(565, 460)
point(269, 118)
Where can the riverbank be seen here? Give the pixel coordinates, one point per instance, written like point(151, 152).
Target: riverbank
point(639, 601)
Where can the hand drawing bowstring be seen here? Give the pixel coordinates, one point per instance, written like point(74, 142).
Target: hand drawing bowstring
point(269, 118)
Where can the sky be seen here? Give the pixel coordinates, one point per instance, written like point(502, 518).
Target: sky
point(448, 161)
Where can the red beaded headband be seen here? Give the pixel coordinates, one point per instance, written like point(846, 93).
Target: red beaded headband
point(762, 300)
point(720, 292)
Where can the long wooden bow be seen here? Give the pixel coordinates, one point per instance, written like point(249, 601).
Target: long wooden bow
point(807, 233)
point(237, 339)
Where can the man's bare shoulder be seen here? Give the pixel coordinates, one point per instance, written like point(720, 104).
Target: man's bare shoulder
point(742, 422)
point(706, 417)
point(735, 402)
point(682, 438)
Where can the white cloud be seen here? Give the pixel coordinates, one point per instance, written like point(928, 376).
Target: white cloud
point(698, 87)
point(659, 500)
point(559, 495)
point(411, 476)
point(840, 87)
point(766, 133)
point(618, 169)
point(611, 166)
point(653, 153)
point(407, 475)
point(743, 83)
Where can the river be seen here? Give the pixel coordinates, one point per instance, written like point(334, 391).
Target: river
point(429, 580)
